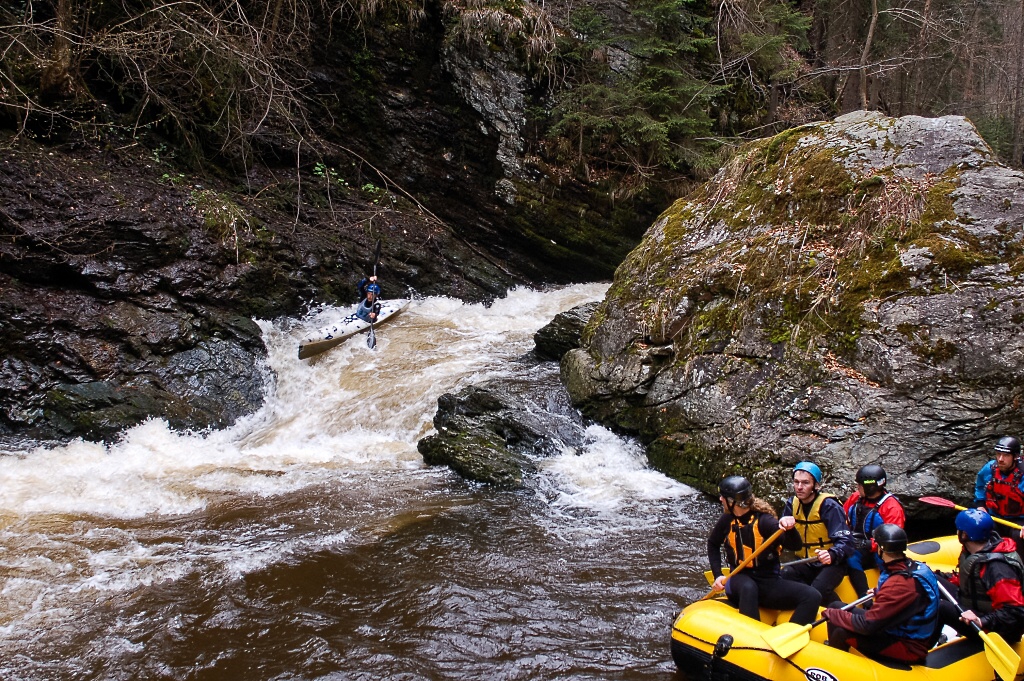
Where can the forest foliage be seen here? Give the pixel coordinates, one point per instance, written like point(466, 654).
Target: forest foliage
point(646, 89)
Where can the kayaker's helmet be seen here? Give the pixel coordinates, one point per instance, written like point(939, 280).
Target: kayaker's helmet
point(1010, 445)
point(974, 524)
point(808, 467)
point(736, 490)
point(890, 538)
point(374, 289)
point(872, 477)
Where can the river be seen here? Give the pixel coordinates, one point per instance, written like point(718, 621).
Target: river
point(310, 541)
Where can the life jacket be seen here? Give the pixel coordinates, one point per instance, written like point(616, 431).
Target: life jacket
point(921, 625)
point(864, 520)
point(737, 551)
point(1002, 494)
point(972, 589)
point(812, 529)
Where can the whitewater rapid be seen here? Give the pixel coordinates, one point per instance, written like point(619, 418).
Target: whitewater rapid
point(92, 535)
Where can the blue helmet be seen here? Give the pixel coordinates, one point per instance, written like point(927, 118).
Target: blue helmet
point(808, 467)
point(374, 289)
point(975, 524)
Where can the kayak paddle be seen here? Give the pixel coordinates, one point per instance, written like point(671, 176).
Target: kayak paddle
point(746, 561)
point(1000, 655)
point(790, 638)
point(371, 340)
point(939, 501)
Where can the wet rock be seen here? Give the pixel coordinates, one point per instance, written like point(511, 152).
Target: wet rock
point(847, 292)
point(496, 431)
point(563, 332)
point(125, 296)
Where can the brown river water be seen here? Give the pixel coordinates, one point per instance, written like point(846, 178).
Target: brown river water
point(309, 541)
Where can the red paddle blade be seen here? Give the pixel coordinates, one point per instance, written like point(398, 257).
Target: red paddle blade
point(938, 501)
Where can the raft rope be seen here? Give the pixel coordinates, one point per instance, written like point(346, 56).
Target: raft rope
point(763, 650)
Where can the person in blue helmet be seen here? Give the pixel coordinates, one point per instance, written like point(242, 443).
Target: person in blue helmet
point(369, 307)
point(364, 283)
point(987, 582)
point(815, 527)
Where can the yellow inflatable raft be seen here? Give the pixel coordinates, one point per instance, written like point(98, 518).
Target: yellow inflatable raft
point(711, 640)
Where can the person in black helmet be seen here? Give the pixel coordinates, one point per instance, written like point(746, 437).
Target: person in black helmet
point(903, 621)
point(744, 526)
point(999, 488)
point(867, 508)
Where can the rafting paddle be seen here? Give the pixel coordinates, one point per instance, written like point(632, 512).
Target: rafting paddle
point(802, 561)
point(789, 638)
point(939, 501)
point(746, 561)
point(1000, 655)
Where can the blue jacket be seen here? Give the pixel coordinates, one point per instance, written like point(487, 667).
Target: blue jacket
point(921, 625)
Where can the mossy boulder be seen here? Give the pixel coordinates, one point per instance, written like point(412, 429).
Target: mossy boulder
point(847, 292)
point(497, 431)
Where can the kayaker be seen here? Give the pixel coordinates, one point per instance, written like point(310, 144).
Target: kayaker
point(902, 623)
point(745, 523)
point(999, 488)
point(363, 283)
point(369, 307)
point(987, 582)
point(819, 530)
point(869, 507)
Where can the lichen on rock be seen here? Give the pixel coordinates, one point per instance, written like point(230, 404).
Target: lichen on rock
point(845, 291)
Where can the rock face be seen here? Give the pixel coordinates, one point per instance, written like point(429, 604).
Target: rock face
point(847, 292)
point(125, 296)
point(495, 432)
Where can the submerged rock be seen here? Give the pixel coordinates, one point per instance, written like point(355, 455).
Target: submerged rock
point(847, 292)
point(496, 431)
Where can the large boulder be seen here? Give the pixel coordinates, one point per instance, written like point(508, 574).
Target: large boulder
point(847, 292)
point(496, 431)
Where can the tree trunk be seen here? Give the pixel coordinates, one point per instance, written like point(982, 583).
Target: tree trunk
point(922, 48)
point(867, 51)
point(1018, 92)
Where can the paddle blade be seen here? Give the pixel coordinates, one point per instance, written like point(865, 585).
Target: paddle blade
point(713, 593)
point(787, 638)
point(1000, 655)
point(371, 340)
point(938, 501)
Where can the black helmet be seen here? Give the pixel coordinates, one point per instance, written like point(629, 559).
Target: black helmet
point(1010, 445)
point(890, 538)
point(872, 477)
point(736, 489)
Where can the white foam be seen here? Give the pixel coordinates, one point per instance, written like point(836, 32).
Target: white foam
point(607, 473)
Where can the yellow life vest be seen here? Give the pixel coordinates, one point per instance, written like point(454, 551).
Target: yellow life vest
point(811, 527)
